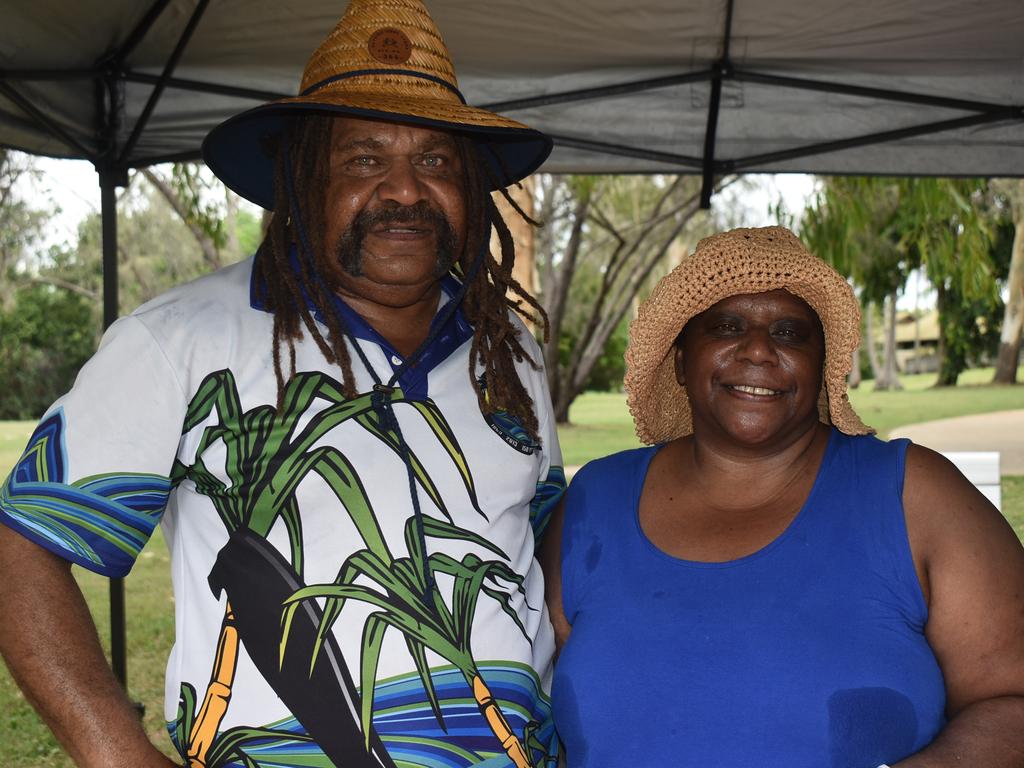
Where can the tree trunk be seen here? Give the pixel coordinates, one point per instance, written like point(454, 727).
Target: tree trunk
point(1013, 317)
point(891, 366)
point(561, 404)
point(869, 338)
point(854, 379)
point(889, 378)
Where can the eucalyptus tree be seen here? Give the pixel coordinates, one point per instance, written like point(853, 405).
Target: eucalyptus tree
point(22, 222)
point(1013, 317)
point(603, 240)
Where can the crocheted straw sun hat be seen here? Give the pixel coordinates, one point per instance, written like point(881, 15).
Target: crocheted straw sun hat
point(385, 59)
point(741, 261)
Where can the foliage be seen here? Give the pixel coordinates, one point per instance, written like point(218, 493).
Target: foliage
point(876, 230)
point(45, 337)
point(21, 225)
point(1010, 192)
point(603, 241)
point(157, 248)
point(610, 368)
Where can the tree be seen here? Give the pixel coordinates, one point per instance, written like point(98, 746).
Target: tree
point(602, 240)
point(876, 230)
point(45, 337)
point(21, 224)
point(1013, 317)
point(851, 224)
point(173, 226)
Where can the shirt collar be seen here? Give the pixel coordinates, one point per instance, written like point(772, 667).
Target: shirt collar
point(454, 334)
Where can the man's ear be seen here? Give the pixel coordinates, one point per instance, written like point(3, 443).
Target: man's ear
point(677, 358)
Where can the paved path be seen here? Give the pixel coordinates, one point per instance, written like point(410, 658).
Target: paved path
point(1001, 431)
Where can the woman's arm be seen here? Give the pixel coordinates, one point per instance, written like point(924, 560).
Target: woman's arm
point(550, 558)
point(971, 566)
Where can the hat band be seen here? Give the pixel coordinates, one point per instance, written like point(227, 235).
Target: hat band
point(364, 72)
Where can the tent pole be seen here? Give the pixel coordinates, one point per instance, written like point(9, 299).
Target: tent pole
point(108, 207)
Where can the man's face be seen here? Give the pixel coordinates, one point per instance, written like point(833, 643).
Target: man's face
point(394, 210)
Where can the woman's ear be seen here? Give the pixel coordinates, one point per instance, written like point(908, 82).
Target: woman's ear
point(677, 353)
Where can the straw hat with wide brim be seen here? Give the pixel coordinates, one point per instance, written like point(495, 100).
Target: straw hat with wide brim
point(742, 261)
point(384, 60)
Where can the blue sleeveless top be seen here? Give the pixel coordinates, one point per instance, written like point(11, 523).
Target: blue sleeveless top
point(809, 653)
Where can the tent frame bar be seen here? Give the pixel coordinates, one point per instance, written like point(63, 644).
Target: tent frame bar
point(42, 120)
point(161, 84)
point(138, 34)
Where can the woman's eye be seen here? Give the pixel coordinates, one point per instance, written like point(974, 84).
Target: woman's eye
point(725, 326)
point(363, 161)
point(789, 333)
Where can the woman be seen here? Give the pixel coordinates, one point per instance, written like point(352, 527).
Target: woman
point(769, 584)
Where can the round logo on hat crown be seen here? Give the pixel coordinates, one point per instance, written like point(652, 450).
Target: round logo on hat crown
point(390, 46)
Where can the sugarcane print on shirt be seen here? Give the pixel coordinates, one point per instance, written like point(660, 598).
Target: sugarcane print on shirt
point(458, 713)
point(280, 619)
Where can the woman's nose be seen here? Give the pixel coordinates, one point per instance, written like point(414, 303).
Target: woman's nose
point(758, 347)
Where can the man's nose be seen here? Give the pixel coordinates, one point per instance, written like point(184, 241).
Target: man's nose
point(401, 184)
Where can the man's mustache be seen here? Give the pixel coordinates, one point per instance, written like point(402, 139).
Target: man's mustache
point(417, 213)
point(421, 214)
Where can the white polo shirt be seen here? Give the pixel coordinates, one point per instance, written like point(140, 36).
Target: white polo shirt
point(175, 420)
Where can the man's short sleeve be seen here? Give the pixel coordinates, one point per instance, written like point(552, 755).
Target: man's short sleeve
point(551, 484)
point(94, 479)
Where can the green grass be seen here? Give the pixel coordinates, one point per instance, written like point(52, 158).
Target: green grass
point(599, 422)
point(919, 401)
point(1013, 503)
point(600, 425)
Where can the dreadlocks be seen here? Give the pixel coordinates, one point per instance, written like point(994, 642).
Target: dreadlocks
point(291, 278)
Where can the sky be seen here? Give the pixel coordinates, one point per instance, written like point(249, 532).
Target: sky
point(74, 187)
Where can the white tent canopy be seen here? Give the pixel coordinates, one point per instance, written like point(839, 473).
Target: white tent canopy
point(910, 87)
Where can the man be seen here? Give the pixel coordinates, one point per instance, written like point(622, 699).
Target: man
point(351, 449)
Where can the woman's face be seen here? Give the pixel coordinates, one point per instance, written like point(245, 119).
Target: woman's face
point(752, 367)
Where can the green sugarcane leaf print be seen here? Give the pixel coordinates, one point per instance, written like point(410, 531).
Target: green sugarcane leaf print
point(216, 390)
point(186, 713)
point(505, 601)
point(292, 519)
point(342, 478)
point(267, 457)
point(418, 652)
point(229, 744)
point(436, 421)
point(371, 423)
point(439, 529)
point(373, 638)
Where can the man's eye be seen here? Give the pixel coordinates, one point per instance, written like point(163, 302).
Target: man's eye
point(432, 161)
point(363, 161)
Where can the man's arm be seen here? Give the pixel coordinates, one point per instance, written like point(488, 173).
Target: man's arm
point(49, 641)
point(972, 570)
